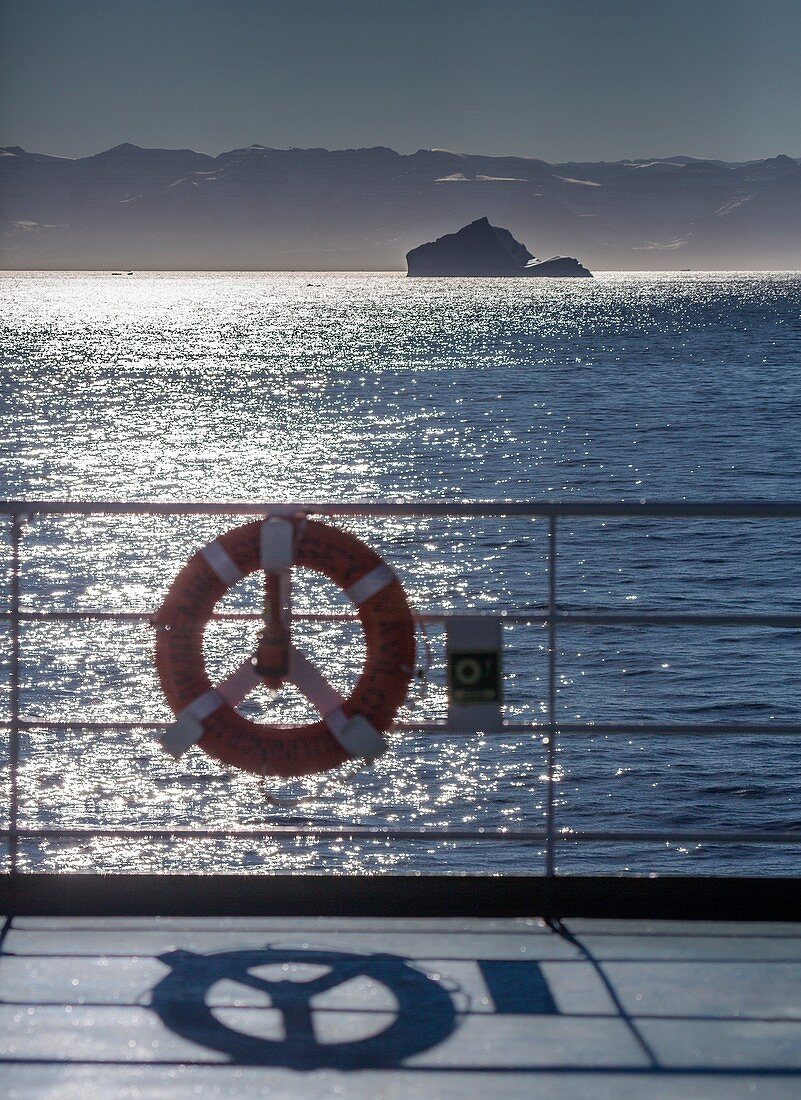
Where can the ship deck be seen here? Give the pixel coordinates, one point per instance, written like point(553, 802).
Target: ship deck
point(298, 1006)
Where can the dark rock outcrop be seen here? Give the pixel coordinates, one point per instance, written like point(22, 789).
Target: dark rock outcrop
point(481, 249)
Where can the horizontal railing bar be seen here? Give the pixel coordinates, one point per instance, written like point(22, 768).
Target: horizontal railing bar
point(690, 729)
point(625, 729)
point(521, 836)
point(671, 618)
point(564, 618)
point(234, 616)
point(725, 509)
point(711, 836)
point(248, 616)
point(283, 832)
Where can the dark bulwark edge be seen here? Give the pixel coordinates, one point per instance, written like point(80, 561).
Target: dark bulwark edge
point(663, 897)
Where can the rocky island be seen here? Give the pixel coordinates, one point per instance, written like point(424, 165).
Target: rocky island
point(481, 249)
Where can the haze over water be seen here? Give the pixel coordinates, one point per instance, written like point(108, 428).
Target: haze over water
point(374, 388)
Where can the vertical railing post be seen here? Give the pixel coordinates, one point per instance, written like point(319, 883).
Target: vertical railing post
point(14, 677)
point(550, 831)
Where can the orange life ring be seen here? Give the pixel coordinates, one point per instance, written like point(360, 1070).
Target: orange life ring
point(348, 728)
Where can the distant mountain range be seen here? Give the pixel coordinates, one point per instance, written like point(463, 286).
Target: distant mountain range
point(363, 209)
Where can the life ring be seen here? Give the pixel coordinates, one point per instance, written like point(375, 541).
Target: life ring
point(206, 715)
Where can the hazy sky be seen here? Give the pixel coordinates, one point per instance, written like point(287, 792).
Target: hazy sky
point(556, 79)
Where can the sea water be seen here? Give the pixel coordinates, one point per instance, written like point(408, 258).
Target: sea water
point(370, 387)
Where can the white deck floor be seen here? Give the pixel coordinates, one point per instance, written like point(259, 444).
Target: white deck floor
point(373, 1008)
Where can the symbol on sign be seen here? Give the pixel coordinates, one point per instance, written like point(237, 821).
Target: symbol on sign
point(467, 671)
point(474, 677)
point(422, 1013)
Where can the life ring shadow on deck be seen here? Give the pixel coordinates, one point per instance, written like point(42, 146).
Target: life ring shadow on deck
point(424, 1013)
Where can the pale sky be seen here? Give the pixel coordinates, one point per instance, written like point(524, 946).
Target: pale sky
point(554, 79)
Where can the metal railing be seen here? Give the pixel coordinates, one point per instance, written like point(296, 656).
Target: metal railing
point(552, 617)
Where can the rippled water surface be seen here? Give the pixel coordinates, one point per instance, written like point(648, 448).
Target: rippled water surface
point(374, 388)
